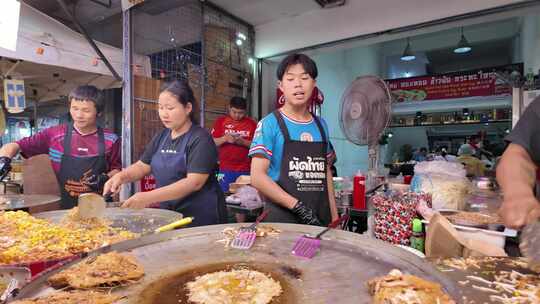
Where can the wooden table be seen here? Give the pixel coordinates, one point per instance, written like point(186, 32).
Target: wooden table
point(31, 203)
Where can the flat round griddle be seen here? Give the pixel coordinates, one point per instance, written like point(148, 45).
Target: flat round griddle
point(134, 220)
point(26, 201)
point(337, 274)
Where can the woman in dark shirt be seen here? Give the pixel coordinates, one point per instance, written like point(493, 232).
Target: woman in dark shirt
point(182, 158)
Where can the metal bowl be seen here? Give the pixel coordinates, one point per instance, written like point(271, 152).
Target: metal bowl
point(135, 220)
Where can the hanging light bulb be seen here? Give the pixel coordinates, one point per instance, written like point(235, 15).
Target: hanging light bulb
point(172, 39)
point(241, 35)
point(407, 53)
point(463, 45)
point(239, 42)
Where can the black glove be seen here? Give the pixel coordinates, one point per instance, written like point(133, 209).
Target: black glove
point(305, 214)
point(5, 166)
point(96, 182)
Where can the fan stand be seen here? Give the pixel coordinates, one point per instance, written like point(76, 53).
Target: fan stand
point(373, 157)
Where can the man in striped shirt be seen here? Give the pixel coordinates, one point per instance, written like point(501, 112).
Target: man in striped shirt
point(83, 155)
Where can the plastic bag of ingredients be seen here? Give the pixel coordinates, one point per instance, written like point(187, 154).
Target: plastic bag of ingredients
point(247, 197)
point(394, 213)
point(447, 183)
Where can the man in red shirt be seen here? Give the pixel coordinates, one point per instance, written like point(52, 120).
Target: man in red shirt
point(233, 134)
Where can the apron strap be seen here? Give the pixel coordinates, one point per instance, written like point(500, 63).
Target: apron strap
point(184, 143)
point(101, 141)
point(321, 129)
point(67, 139)
point(285, 131)
point(282, 126)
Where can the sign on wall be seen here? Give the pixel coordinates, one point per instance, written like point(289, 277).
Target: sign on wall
point(14, 95)
point(482, 82)
point(9, 24)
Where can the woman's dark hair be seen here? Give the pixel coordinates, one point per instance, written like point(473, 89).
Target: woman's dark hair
point(309, 65)
point(88, 93)
point(238, 103)
point(183, 92)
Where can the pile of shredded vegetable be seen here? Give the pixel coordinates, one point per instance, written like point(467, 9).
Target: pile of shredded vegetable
point(26, 239)
point(447, 193)
point(506, 287)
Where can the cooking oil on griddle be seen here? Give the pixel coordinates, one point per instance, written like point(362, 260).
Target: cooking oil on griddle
point(172, 289)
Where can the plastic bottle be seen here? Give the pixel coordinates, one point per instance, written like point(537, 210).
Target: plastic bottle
point(395, 158)
point(529, 82)
point(338, 189)
point(418, 237)
point(359, 191)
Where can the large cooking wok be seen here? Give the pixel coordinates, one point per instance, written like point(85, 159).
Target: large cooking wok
point(338, 274)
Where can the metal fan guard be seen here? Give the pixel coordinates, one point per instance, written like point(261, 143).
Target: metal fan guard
point(360, 134)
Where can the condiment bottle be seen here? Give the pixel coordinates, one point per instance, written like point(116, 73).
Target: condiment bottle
point(418, 237)
point(359, 191)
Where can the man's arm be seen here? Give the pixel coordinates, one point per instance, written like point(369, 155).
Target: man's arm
point(9, 150)
point(516, 174)
point(243, 142)
point(264, 184)
point(227, 138)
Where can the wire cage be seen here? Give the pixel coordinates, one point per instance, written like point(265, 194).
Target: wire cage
point(197, 42)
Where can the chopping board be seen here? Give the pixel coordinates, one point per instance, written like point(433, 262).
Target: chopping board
point(443, 240)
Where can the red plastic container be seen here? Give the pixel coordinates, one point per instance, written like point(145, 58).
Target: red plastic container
point(40, 266)
point(407, 179)
point(359, 192)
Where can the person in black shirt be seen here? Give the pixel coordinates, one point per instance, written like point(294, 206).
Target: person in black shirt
point(182, 158)
point(517, 172)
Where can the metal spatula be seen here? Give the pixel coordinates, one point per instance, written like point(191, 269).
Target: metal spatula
point(307, 246)
point(91, 205)
point(245, 237)
point(530, 244)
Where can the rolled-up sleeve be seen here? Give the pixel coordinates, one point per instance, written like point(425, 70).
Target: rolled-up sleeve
point(35, 144)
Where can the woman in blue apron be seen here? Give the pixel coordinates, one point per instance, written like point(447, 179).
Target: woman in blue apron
point(183, 160)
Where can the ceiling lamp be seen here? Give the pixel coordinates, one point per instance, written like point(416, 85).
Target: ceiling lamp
point(407, 53)
point(240, 38)
point(463, 45)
